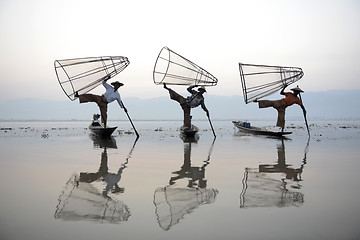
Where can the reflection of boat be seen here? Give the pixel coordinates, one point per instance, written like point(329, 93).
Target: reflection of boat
point(246, 127)
point(98, 129)
point(189, 132)
point(100, 142)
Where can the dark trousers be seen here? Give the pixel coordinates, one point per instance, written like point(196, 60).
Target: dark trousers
point(185, 107)
point(280, 106)
point(100, 101)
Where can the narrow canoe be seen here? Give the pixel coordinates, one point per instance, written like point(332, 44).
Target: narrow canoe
point(245, 127)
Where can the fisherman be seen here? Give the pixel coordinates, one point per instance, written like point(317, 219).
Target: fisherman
point(102, 101)
point(282, 104)
point(192, 101)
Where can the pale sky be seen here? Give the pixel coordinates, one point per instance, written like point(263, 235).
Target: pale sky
point(321, 37)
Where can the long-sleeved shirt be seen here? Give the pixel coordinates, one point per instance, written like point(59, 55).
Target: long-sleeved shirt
point(112, 95)
point(193, 100)
point(290, 99)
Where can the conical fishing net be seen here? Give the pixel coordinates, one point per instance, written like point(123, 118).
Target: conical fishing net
point(172, 68)
point(259, 81)
point(84, 74)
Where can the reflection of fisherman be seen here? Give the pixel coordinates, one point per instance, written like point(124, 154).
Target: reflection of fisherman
point(193, 174)
point(282, 104)
point(174, 201)
point(102, 101)
point(281, 166)
point(111, 179)
point(192, 101)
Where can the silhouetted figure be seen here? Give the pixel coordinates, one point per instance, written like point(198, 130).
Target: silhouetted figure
point(282, 104)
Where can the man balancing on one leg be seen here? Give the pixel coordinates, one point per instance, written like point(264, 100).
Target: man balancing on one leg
point(192, 101)
point(282, 104)
point(102, 101)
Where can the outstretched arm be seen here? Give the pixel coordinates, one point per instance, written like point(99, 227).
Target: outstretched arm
point(190, 89)
point(121, 104)
point(107, 77)
point(106, 85)
point(282, 90)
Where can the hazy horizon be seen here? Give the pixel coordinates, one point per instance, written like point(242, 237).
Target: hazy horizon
point(319, 105)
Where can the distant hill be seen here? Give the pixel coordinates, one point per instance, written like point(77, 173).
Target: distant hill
point(336, 104)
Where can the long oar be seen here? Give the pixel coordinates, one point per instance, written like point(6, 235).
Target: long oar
point(212, 127)
point(306, 123)
point(137, 134)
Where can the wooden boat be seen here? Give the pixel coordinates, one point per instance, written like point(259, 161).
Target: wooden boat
point(246, 127)
point(97, 128)
point(189, 132)
point(102, 131)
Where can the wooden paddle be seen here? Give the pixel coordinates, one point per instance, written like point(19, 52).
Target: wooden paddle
point(137, 134)
point(304, 112)
point(211, 126)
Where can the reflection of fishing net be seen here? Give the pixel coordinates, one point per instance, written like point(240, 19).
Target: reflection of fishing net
point(173, 203)
point(84, 74)
point(261, 190)
point(172, 68)
point(83, 201)
point(259, 81)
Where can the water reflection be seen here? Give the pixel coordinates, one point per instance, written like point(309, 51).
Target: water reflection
point(175, 200)
point(84, 196)
point(266, 186)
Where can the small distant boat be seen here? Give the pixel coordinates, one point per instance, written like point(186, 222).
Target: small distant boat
point(246, 127)
point(98, 129)
point(189, 131)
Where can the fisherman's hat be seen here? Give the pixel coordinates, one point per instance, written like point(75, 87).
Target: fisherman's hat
point(117, 82)
point(297, 89)
point(202, 88)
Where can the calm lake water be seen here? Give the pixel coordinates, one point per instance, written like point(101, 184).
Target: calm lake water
point(59, 182)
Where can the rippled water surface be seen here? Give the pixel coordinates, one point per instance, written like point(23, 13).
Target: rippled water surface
point(59, 182)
